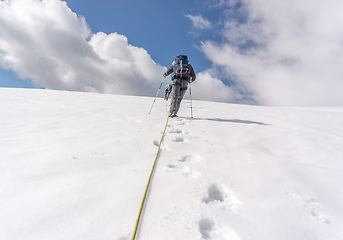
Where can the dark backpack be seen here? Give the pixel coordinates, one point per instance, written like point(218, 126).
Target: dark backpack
point(180, 67)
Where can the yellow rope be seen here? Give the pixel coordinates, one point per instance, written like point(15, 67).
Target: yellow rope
point(152, 170)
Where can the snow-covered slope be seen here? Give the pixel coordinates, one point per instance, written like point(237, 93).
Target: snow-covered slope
point(75, 166)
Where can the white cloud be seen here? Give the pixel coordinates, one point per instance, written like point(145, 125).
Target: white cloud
point(46, 42)
point(209, 88)
point(199, 21)
point(284, 52)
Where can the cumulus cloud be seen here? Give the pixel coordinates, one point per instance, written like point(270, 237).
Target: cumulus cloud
point(199, 21)
point(207, 87)
point(283, 52)
point(43, 40)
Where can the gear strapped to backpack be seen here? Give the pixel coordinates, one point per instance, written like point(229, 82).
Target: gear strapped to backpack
point(180, 67)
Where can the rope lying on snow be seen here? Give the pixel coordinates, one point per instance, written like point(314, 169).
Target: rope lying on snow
point(150, 177)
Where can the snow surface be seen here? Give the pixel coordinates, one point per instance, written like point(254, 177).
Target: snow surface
point(75, 166)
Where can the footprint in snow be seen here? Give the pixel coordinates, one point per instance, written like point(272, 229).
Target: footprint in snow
point(171, 166)
point(219, 196)
point(184, 158)
point(214, 194)
point(182, 170)
point(191, 158)
point(180, 140)
point(156, 143)
point(206, 226)
point(177, 131)
point(210, 229)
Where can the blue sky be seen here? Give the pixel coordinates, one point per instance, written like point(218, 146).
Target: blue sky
point(10, 79)
point(283, 53)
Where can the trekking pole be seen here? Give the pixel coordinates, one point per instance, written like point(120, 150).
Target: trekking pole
point(190, 95)
point(156, 95)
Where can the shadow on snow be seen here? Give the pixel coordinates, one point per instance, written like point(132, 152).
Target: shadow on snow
point(228, 120)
